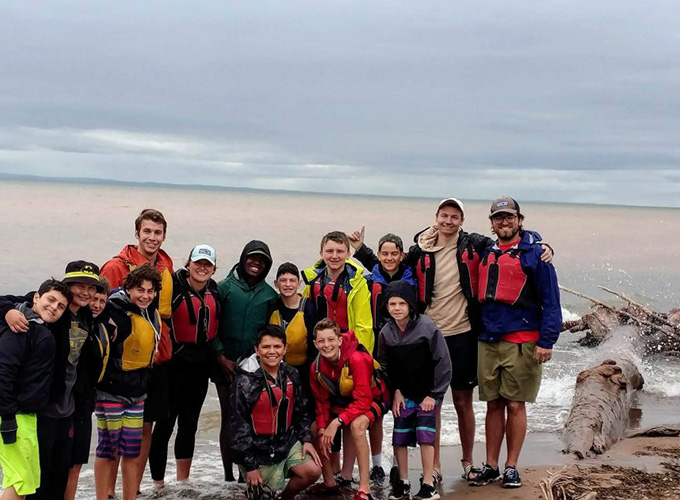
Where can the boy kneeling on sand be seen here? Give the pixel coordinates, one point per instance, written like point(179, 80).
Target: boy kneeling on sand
point(413, 353)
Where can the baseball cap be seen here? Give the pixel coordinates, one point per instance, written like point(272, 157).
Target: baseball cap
point(505, 204)
point(203, 252)
point(391, 238)
point(83, 272)
point(452, 201)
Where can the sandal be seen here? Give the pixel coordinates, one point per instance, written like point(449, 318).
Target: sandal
point(468, 470)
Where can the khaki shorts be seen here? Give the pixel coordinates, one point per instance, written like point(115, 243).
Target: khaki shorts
point(508, 370)
point(275, 475)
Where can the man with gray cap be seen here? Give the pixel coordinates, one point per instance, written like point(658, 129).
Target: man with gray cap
point(522, 319)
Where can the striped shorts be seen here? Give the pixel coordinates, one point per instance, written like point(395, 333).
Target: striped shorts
point(119, 427)
point(413, 425)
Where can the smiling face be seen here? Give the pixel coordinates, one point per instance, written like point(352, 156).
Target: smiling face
point(150, 237)
point(200, 272)
point(506, 226)
point(142, 295)
point(328, 342)
point(287, 284)
point(449, 220)
point(98, 304)
point(50, 305)
point(270, 351)
point(255, 265)
point(82, 294)
point(390, 257)
point(398, 309)
point(334, 255)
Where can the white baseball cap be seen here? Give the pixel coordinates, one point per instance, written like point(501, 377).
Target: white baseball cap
point(203, 252)
point(452, 201)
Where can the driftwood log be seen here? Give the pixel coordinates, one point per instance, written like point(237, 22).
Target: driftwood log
point(599, 411)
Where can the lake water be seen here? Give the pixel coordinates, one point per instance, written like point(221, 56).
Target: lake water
point(632, 250)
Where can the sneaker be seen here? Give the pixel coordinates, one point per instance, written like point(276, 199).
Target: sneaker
point(436, 478)
point(401, 490)
point(394, 475)
point(377, 474)
point(487, 475)
point(511, 478)
point(427, 492)
point(362, 495)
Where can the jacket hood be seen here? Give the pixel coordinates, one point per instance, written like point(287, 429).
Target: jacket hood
point(527, 239)
point(130, 255)
point(352, 268)
point(348, 347)
point(427, 239)
point(403, 290)
point(250, 365)
point(255, 247)
point(379, 275)
point(29, 313)
point(121, 300)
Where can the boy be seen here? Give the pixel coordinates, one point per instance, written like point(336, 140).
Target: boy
point(413, 352)
point(121, 393)
point(26, 365)
point(269, 422)
point(297, 316)
point(247, 302)
point(348, 395)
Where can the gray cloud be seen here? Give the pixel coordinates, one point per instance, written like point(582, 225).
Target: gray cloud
point(559, 101)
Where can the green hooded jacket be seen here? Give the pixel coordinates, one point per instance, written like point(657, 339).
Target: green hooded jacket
point(244, 310)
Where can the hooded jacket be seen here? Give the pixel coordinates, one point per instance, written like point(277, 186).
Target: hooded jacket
point(263, 433)
point(197, 314)
point(537, 307)
point(129, 258)
point(353, 374)
point(358, 298)
point(26, 366)
point(244, 310)
point(133, 345)
point(94, 357)
point(417, 360)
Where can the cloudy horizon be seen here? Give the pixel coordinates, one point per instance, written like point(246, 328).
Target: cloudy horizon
point(556, 101)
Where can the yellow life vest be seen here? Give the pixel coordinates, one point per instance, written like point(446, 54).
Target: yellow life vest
point(296, 335)
point(140, 346)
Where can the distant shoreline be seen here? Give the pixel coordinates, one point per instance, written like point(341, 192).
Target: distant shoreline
point(200, 187)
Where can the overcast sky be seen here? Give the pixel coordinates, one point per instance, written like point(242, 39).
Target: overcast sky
point(554, 100)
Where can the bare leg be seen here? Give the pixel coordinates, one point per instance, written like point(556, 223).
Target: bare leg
point(437, 439)
point(130, 471)
point(223, 394)
point(375, 434)
point(183, 468)
point(515, 430)
point(358, 428)
point(427, 457)
point(495, 430)
point(72, 485)
point(349, 454)
point(401, 452)
point(462, 401)
point(104, 469)
point(141, 460)
point(304, 475)
point(11, 494)
point(113, 478)
point(327, 468)
point(335, 461)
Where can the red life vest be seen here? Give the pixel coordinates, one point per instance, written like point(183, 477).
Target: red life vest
point(468, 268)
point(376, 293)
point(502, 279)
point(331, 301)
point(273, 411)
point(424, 272)
point(195, 319)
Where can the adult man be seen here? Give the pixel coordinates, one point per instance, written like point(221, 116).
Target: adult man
point(269, 421)
point(150, 232)
point(522, 321)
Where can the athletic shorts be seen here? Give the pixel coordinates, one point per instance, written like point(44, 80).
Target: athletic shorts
point(413, 425)
point(463, 352)
point(82, 438)
point(275, 475)
point(157, 403)
point(119, 427)
point(20, 461)
point(508, 370)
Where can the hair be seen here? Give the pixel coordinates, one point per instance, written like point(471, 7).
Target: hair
point(57, 286)
point(152, 215)
point(288, 268)
point(275, 331)
point(337, 237)
point(143, 273)
point(104, 285)
point(391, 238)
point(326, 324)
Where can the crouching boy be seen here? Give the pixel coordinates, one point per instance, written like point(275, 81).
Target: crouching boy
point(348, 395)
point(26, 365)
point(269, 422)
point(414, 355)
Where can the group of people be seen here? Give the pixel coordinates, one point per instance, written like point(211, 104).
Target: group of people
point(304, 380)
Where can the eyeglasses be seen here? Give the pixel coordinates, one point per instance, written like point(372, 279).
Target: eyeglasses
point(498, 218)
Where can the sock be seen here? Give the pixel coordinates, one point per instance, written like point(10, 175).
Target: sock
point(377, 460)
